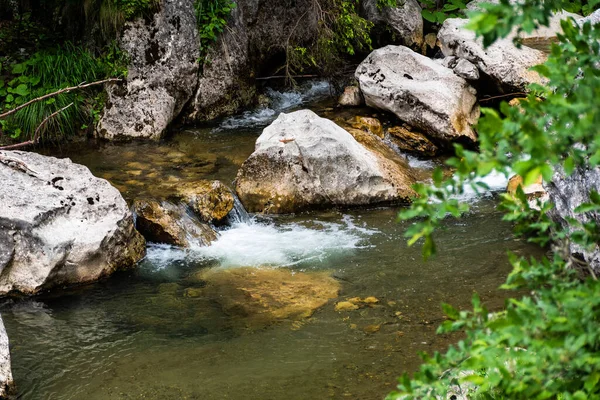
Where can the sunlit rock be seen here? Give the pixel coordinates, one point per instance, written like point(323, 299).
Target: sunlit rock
point(165, 222)
point(302, 160)
point(367, 124)
point(534, 192)
point(420, 92)
point(60, 225)
point(210, 200)
point(352, 97)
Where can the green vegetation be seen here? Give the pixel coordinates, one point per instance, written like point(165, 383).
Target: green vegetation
point(212, 18)
point(33, 65)
point(342, 32)
point(437, 12)
point(546, 344)
point(46, 72)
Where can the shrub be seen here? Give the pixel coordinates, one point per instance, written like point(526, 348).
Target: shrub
point(546, 344)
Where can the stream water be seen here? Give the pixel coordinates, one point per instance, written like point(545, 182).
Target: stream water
point(169, 330)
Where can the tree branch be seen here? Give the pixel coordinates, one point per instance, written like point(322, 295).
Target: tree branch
point(36, 135)
point(82, 85)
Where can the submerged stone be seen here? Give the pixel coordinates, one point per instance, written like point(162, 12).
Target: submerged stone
point(266, 295)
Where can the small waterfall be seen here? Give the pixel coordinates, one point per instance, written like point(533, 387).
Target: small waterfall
point(238, 214)
point(279, 102)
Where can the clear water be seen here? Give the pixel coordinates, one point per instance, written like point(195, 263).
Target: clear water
point(161, 331)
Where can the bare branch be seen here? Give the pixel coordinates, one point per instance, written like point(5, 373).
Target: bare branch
point(36, 135)
point(82, 85)
point(264, 78)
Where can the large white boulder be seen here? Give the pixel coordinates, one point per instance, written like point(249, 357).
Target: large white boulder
point(420, 92)
point(508, 67)
point(302, 160)
point(60, 225)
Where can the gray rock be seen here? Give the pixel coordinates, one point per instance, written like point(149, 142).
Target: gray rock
point(6, 378)
point(593, 18)
point(60, 225)
point(352, 97)
point(257, 33)
point(467, 70)
point(162, 74)
point(405, 20)
point(420, 92)
point(303, 161)
point(448, 62)
point(567, 193)
point(507, 65)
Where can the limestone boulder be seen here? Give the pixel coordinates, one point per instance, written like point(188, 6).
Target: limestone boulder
point(162, 74)
point(593, 18)
point(506, 65)
point(420, 92)
point(303, 161)
point(60, 225)
point(165, 222)
point(405, 20)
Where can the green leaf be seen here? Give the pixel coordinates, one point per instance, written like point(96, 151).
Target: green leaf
point(428, 15)
point(21, 90)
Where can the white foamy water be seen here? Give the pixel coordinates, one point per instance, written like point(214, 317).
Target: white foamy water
point(253, 244)
point(279, 101)
point(496, 182)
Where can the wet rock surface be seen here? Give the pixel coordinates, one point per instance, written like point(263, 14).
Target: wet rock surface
point(60, 225)
point(257, 32)
point(412, 142)
point(161, 77)
point(303, 161)
point(165, 222)
point(420, 92)
point(211, 201)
